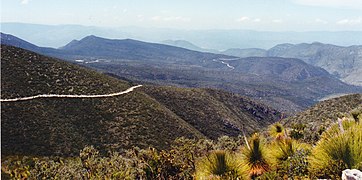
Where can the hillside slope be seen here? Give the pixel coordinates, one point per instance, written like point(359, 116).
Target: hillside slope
point(320, 116)
point(214, 113)
point(63, 126)
point(344, 62)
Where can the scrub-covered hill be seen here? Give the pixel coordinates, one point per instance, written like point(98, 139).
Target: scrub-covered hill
point(143, 117)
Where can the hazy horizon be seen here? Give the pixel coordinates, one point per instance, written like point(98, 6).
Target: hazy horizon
point(256, 15)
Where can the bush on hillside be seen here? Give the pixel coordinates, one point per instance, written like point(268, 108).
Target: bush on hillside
point(255, 157)
point(337, 151)
point(290, 159)
point(219, 165)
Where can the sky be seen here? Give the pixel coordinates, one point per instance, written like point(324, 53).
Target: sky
point(265, 15)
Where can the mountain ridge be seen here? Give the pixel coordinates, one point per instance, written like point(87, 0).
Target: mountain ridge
point(63, 126)
point(345, 62)
point(218, 39)
point(287, 84)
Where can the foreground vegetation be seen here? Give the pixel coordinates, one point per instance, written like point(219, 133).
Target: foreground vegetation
point(276, 156)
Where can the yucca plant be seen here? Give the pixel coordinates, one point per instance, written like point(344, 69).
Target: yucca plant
point(277, 131)
point(218, 165)
point(290, 157)
point(284, 149)
point(337, 151)
point(255, 159)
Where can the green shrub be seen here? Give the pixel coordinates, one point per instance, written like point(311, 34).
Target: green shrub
point(219, 165)
point(16, 167)
point(297, 131)
point(185, 152)
point(255, 159)
point(357, 114)
point(337, 151)
point(277, 131)
point(227, 143)
point(88, 166)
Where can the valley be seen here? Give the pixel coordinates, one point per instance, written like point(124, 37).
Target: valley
point(286, 84)
point(342, 62)
point(87, 110)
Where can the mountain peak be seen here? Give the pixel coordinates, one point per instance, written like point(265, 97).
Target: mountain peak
point(9, 39)
point(91, 37)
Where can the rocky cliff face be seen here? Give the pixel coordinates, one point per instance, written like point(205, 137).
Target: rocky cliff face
point(343, 62)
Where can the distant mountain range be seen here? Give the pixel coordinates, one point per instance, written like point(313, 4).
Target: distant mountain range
point(187, 45)
point(58, 35)
point(149, 116)
point(286, 84)
point(343, 62)
point(93, 47)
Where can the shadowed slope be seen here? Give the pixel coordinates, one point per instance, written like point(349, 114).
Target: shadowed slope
point(63, 126)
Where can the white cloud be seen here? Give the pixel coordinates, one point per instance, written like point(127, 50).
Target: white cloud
point(320, 21)
point(247, 19)
point(24, 2)
point(277, 21)
point(257, 20)
point(242, 19)
point(355, 21)
point(170, 18)
point(351, 4)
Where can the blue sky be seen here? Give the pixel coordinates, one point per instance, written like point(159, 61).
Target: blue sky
point(273, 15)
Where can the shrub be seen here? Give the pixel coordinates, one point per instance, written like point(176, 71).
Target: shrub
point(297, 131)
point(226, 143)
point(277, 131)
point(337, 150)
point(185, 152)
point(357, 114)
point(176, 163)
point(218, 165)
point(255, 159)
point(15, 167)
point(289, 157)
point(88, 166)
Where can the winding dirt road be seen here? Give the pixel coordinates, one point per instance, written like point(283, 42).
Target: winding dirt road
point(71, 96)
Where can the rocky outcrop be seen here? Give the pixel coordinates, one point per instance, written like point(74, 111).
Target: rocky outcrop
point(351, 174)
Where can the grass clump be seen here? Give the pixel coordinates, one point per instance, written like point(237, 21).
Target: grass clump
point(255, 159)
point(289, 157)
point(218, 165)
point(337, 151)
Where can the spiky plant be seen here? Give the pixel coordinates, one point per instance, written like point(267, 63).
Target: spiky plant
point(218, 165)
point(255, 157)
point(284, 149)
point(277, 131)
point(290, 157)
point(335, 129)
point(337, 151)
